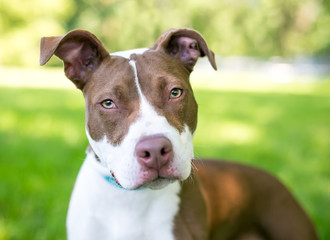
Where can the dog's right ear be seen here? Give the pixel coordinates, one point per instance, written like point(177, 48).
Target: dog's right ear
point(80, 51)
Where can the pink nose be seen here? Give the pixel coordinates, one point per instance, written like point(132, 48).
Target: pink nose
point(154, 152)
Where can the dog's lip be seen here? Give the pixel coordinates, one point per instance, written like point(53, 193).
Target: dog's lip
point(157, 179)
point(114, 177)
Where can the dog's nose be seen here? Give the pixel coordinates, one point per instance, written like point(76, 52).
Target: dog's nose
point(154, 152)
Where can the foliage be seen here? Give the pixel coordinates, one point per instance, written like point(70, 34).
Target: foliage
point(242, 27)
point(42, 143)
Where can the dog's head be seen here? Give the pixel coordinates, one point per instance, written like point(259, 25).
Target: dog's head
point(140, 109)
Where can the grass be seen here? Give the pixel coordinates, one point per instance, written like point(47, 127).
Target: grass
point(42, 144)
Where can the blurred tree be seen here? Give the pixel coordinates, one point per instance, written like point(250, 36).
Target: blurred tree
point(241, 27)
point(22, 23)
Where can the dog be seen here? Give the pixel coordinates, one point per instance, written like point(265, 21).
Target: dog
point(139, 179)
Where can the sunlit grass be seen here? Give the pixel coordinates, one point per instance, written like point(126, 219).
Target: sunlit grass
point(42, 144)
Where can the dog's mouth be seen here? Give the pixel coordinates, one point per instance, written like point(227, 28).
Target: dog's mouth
point(155, 184)
point(159, 183)
point(115, 179)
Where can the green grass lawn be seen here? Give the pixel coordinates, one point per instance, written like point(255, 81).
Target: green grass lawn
point(42, 144)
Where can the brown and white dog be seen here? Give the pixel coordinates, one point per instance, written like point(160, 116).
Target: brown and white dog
point(141, 116)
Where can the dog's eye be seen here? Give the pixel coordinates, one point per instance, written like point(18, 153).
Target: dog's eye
point(175, 93)
point(108, 104)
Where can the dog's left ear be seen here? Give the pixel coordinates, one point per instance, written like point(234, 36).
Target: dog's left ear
point(186, 45)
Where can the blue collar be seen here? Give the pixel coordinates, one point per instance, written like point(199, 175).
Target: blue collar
point(113, 182)
point(108, 178)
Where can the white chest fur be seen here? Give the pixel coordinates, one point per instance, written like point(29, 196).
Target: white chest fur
point(99, 210)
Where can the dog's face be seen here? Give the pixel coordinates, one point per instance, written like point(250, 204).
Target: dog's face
point(140, 109)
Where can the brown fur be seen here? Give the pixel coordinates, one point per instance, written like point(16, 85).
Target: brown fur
point(108, 83)
point(241, 203)
point(158, 72)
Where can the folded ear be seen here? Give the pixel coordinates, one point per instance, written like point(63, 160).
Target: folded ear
point(80, 51)
point(186, 45)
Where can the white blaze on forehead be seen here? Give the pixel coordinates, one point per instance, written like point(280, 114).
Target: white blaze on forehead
point(127, 54)
point(121, 159)
point(142, 98)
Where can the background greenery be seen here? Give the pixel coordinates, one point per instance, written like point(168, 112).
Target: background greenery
point(240, 27)
point(283, 128)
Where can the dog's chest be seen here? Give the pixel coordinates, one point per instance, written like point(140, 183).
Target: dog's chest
point(108, 212)
point(144, 217)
